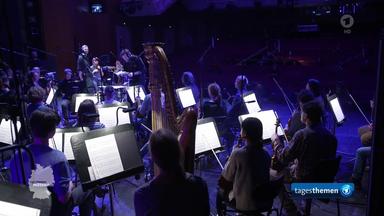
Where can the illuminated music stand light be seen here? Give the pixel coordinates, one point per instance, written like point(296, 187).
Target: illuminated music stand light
point(251, 102)
point(268, 118)
point(185, 96)
point(78, 98)
point(337, 111)
point(107, 114)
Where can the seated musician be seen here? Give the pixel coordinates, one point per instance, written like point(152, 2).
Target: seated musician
point(109, 95)
point(237, 106)
point(215, 106)
point(294, 122)
point(33, 78)
point(87, 116)
point(188, 80)
point(43, 125)
point(314, 86)
point(65, 89)
point(307, 147)
point(246, 169)
point(36, 96)
point(135, 66)
point(173, 191)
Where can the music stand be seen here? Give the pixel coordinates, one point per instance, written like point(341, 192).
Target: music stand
point(105, 155)
point(268, 118)
point(50, 97)
point(136, 91)
point(251, 103)
point(7, 131)
point(207, 138)
point(185, 96)
point(18, 200)
point(78, 98)
point(110, 114)
point(62, 141)
point(337, 111)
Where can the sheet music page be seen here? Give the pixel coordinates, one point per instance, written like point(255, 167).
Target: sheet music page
point(252, 105)
point(7, 131)
point(81, 99)
point(68, 152)
point(206, 138)
point(104, 156)
point(139, 91)
point(107, 116)
point(56, 141)
point(50, 96)
point(186, 98)
point(10, 209)
point(337, 110)
point(268, 119)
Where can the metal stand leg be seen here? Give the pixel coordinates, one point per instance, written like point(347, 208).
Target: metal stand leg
point(111, 194)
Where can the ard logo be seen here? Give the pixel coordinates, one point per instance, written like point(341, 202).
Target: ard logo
point(347, 22)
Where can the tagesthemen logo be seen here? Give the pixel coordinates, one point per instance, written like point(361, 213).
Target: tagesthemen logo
point(322, 190)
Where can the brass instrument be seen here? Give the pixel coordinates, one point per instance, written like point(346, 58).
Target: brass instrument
point(165, 115)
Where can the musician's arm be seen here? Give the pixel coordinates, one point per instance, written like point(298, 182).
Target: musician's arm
point(228, 174)
point(288, 153)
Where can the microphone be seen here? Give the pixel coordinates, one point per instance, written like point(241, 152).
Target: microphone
point(125, 110)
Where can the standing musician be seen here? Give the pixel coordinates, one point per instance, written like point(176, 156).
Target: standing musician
point(84, 70)
point(134, 66)
point(97, 71)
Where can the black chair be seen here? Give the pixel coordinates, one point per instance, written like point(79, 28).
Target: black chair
point(324, 172)
point(265, 195)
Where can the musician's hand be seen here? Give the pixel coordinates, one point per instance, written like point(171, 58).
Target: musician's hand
point(130, 74)
point(274, 137)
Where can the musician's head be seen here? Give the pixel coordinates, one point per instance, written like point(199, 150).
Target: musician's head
point(214, 91)
point(241, 83)
point(165, 151)
point(34, 74)
point(68, 73)
point(304, 96)
point(43, 122)
point(187, 78)
point(252, 131)
point(86, 107)
point(109, 92)
point(311, 113)
point(313, 85)
point(36, 94)
point(85, 49)
point(95, 61)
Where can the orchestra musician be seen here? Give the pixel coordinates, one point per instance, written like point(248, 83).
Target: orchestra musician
point(134, 66)
point(65, 89)
point(84, 70)
point(97, 71)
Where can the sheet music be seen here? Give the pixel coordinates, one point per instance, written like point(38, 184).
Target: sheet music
point(50, 96)
point(107, 116)
point(10, 209)
point(337, 110)
point(268, 119)
point(104, 156)
point(56, 141)
point(252, 105)
point(134, 91)
point(7, 131)
point(81, 99)
point(68, 152)
point(206, 138)
point(186, 97)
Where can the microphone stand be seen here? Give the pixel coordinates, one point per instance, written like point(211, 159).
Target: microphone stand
point(290, 105)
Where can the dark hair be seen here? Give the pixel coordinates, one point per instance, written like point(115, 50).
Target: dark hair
point(214, 91)
point(187, 78)
point(305, 96)
point(43, 121)
point(36, 94)
point(87, 106)
point(109, 90)
point(314, 86)
point(313, 110)
point(241, 82)
point(253, 128)
point(165, 150)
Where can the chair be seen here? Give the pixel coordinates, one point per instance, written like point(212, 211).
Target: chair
point(324, 172)
point(265, 196)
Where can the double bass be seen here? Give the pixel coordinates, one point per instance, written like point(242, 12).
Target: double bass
point(164, 113)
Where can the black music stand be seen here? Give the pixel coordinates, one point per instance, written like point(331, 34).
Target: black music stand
point(127, 152)
point(185, 96)
point(112, 114)
point(78, 98)
point(19, 196)
point(337, 111)
point(207, 139)
point(268, 118)
point(251, 102)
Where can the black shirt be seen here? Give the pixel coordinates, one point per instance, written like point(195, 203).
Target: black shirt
point(135, 64)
